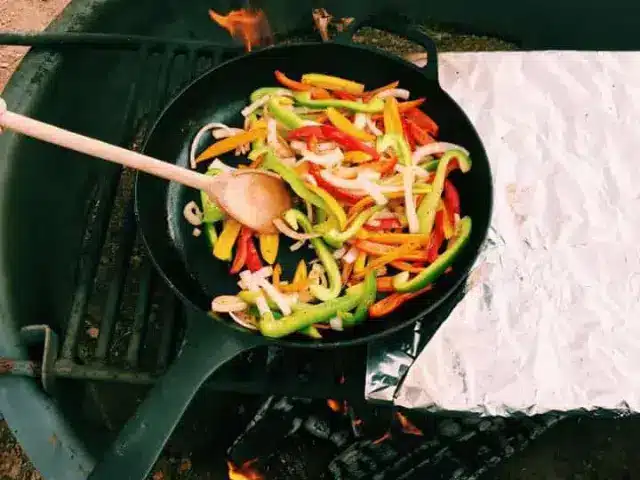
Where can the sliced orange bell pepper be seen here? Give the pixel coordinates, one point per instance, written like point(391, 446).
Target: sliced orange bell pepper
point(392, 302)
point(391, 255)
point(343, 124)
point(318, 93)
point(403, 107)
point(347, 269)
point(231, 143)
point(395, 238)
point(407, 267)
point(385, 284)
point(391, 115)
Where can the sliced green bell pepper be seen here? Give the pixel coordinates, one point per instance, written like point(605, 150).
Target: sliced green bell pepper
point(401, 282)
point(211, 212)
point(305, 317)
point(427, 209)
point(288, 118)
point(335, 238)
point(399, 145)
point(289, 175)
point(368, 298)
point(326, 258)
point(212, 235)
point(304, 98)
point(310, 331)
point(261, 92)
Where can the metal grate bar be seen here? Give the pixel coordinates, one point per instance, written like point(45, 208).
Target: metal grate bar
point(141, 314)
point(96, 235)
point(168, 316)
point(116, 286)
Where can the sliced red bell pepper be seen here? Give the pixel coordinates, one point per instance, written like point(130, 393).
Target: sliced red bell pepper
point(384, 224)
point(436, 242)
point(285, 81)
point(253, 259)
point(347, 141)
point(306, 132)
point(340, 194)
point(344, 95)
point(241, 251)
point(451, 197)
point(419, 134)
point(422, 120)
point(408, 135)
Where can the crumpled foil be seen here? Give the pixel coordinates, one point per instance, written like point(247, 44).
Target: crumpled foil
point(550, 319)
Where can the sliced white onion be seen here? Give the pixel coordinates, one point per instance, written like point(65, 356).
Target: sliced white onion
point(395, 92)
point(272, 133)
point(417, 171)
point(317, 274)
point(340, 182)
point(336, 324)
point(192, 213)
point(372, 189)
point(351, 255)
point(289, 232)
point(278, 298)
point(326, 146)
point(307, 177)
point(263, 306)
point(309, 209)
point(264, 272)
point(196, 140)
point(433, 148)
point(226, 132)
point(196, 232)
point(218, 164)
point(297, 246)
point(249, 109)
point(371, 125)
point(245, 319)
point(309, 123)
point(339, 253)
point(297, 145)
point(228, 303)
point(360, 120)
point(332, 157)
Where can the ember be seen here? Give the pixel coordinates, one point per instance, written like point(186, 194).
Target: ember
point(384, 437)
point(251, 26)
point(244, 472)
point(407, 426)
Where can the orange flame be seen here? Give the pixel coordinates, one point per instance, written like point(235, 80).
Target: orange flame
point(251, 26)
point(407, 426)
point(244, 472)
point(334, 405)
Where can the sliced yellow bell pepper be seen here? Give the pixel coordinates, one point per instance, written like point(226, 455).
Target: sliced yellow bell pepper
point(330, 82)
point(392, 122)
point(342, 123)
point(227, 239)
point(333, 207)
point(231, 143)
point(269, 246)
point(360, 263)
point(275, 276)
point(355, 156)
point(301, 274)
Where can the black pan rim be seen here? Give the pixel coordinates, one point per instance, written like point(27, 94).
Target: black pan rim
point(253, 338)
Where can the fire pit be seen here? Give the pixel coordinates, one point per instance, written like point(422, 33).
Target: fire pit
point(114, 327)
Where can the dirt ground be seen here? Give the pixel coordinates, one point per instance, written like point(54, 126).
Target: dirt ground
point(23, 15)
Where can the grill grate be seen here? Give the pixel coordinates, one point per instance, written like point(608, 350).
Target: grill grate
point(118, 297)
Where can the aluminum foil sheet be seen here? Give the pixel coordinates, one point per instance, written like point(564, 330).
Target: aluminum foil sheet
point(550, 319)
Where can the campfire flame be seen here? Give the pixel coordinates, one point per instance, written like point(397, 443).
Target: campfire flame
point(334, 405)
point(250, 26)
point(244, 472)
point(407, 426)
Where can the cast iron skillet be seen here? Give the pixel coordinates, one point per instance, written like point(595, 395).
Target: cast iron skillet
point(186, 262)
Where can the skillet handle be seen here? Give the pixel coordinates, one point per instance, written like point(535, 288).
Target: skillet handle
point(397, 24)
point(142, 439)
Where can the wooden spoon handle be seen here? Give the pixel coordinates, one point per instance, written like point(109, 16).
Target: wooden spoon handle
point(97, 148)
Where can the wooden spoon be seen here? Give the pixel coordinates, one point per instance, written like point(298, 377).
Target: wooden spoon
point(255, 198)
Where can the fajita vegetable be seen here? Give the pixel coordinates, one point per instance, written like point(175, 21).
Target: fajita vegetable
point(373, 198)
